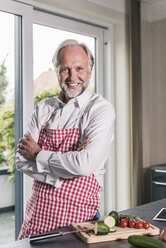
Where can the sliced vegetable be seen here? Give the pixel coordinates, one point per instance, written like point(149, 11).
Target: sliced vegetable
point(112, 230)
point(145, 242)
point(115, 215)
point(101, 228)
point(109, 221)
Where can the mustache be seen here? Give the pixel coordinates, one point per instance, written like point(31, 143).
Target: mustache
point(74, 82)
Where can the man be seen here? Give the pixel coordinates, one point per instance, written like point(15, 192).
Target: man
point(66, 147)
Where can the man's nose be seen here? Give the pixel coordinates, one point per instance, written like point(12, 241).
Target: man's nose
point(73, 75)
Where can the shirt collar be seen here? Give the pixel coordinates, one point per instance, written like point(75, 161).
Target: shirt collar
point(80, 100)
point(83, 98)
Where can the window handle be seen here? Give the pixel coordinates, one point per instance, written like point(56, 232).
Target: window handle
point(159, 183)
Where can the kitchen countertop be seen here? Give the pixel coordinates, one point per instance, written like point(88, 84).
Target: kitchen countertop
point(147, 211)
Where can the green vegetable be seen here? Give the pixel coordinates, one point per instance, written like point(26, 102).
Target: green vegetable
point(145, 242)
point(112, 230)
point(110, 221)
point(115, 215)
point(101, 229)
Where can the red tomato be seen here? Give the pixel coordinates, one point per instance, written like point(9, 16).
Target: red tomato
point(139, 225)
point(122, 217)
point(146, 225)
point(124, 223)
point(132, 223)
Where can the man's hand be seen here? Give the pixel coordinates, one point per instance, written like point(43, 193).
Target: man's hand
point(83, 145)
point(28, 148)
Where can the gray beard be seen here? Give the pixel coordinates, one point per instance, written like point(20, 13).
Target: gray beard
point(72, 94)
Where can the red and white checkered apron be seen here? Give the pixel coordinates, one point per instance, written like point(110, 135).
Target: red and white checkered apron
point(76, 200)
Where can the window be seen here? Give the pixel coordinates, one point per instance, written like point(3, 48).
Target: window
point(7, 102)
point(12, 42)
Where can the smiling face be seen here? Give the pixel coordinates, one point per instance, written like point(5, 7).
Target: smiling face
point(74, 71)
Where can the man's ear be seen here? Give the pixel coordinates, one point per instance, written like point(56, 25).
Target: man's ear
point(90, 71)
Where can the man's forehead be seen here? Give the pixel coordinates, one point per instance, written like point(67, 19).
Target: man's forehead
point(73, 54)
point(73, 50)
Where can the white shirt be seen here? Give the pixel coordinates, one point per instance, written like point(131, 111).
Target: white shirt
point(95, 116)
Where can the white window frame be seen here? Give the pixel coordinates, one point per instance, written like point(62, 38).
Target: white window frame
point(25, 12)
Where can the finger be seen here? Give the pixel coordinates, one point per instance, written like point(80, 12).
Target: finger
point(29, 137)
point(22, 146)
point(79, 149)
point(85, 142)
point(24, 153)
point(83, 146)
point(23, 141)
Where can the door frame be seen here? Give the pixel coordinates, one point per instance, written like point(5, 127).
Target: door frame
point(22, 72)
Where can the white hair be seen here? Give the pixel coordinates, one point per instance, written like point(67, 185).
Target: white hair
point(57, 58)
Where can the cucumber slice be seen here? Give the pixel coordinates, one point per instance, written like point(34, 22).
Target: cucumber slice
point(101, 229)
point(109, 221)
point(145, 242)
point(112, 230)
point(115, 215)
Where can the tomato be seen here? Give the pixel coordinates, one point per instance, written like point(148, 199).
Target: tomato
point(121, 217)
point(146, 225)
point(139, 225)
point(124, 223)
point(132, 223)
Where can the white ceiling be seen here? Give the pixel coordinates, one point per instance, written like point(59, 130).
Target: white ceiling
point(151, 10)
point(152, 1)
point(118, 5)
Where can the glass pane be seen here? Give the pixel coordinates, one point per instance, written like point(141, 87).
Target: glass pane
point(45, 42)
point(7, 202)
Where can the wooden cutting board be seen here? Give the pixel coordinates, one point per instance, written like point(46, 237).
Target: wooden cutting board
point(121, 233)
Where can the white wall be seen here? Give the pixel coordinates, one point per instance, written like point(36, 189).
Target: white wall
point(153, 88)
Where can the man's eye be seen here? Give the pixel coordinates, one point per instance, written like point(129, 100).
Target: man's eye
point(64, 69)
point(79, 68)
